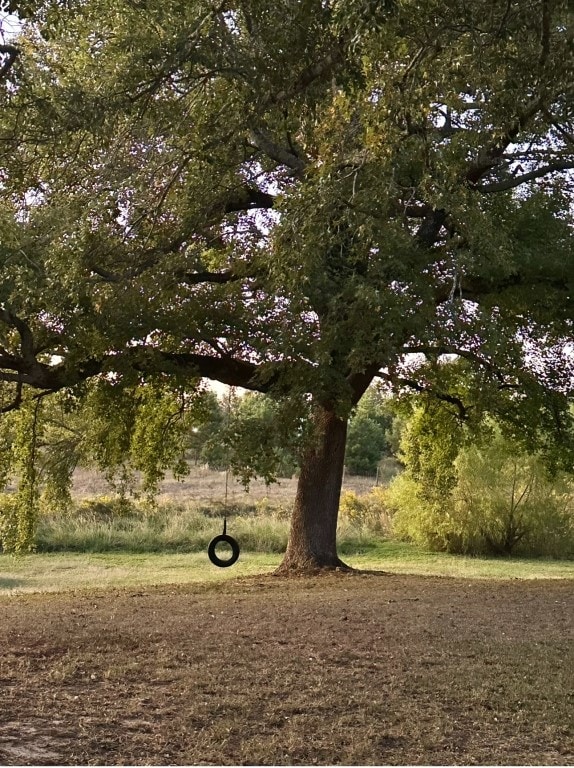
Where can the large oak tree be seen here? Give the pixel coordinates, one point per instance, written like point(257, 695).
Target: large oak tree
point(291, 197)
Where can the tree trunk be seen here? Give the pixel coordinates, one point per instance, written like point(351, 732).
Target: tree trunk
point(313, 537)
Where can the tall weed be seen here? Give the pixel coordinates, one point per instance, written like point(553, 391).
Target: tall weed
point(108, 525)
point(102, 526)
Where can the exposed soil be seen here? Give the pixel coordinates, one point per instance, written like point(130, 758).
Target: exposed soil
point(337, 669)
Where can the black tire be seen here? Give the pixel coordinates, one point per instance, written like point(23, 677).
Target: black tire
point(218, 560)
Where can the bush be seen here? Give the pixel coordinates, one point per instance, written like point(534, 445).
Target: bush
point(415, 517)
point(369, 511)
point(503, 502)
point(511, 503)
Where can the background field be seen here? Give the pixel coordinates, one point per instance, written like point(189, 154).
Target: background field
point(204, 485)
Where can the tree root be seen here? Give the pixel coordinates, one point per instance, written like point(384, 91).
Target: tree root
point(311, 567)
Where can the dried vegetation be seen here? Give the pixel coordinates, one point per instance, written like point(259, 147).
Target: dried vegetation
point(339, 669)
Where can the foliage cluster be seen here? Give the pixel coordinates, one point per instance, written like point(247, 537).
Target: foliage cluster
point(479, 494)
point(369, 511)
point(253, 435)
point(129, 432)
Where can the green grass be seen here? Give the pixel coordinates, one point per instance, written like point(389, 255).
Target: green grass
point(58, 572)
point(103, 544)
point(399, 557)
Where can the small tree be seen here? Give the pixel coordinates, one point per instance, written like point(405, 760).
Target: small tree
point(367, 434)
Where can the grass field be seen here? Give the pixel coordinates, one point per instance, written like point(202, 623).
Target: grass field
point(56, 572)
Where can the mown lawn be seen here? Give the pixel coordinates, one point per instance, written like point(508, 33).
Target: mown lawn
point(55, 572)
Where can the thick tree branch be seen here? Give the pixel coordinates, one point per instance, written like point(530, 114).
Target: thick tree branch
point(474, 287)
point(428, 232)
point(516, 181)
point(360, 382)
point(261, 139)
point(11, 55)
point(225, 369)
point(23, 329)
point(247, 198)
point(106, 275)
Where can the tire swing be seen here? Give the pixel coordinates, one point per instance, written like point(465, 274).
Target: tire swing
point(223, 538)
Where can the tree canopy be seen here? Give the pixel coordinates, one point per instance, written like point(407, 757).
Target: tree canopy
point(292, 197)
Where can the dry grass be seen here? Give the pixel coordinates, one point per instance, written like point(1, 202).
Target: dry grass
point(330, 670)
point(207, 485)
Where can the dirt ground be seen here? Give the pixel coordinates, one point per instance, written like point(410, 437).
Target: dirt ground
point(338, 669)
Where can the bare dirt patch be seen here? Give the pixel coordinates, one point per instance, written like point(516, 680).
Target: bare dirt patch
point(340, 669)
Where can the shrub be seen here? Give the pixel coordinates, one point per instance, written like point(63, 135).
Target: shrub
point(511, 502)
point(502, 502)
point(427, 522)
point(367, 511)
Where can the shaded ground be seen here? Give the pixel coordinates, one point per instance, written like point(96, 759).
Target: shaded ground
point(358, 669)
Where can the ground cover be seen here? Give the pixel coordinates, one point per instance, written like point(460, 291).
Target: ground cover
point(71, 571)
point(341, 669)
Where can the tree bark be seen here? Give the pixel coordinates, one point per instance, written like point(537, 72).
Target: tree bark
point(313, 537)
